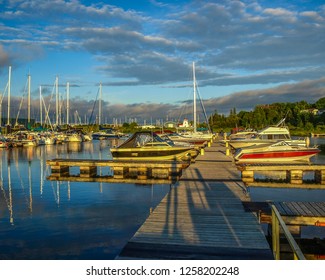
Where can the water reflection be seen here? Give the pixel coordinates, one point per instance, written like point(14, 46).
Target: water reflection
point(42, 219)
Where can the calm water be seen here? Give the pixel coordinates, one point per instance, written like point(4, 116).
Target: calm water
point(42, 219)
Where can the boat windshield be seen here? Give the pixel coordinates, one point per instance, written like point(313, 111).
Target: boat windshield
point(140, 139)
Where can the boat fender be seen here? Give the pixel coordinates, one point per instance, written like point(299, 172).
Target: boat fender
point(307, 141)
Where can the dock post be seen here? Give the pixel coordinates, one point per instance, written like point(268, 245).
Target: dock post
point(227, 149)
point(161, 173)
point(88, 171)
point(247, 176)
point(202, 151)
point(275, 236)
point(60, 170)
point(295, 176)
point(320, 176)
point(119, 172)
point(142, 173)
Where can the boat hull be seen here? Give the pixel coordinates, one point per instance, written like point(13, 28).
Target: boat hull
point(179, 154)
point(238, 144)
point(277, 156)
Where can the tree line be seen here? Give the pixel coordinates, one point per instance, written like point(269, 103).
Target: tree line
point(301, 117)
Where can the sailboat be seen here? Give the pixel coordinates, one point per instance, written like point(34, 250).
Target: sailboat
point(195, 133)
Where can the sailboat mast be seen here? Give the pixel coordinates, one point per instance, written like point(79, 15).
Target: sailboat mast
point(40, 105)
point(57, 100)
point(28, 100)
point(68, 102)
point(194, 98)
point(100, 105)
point(9, 88)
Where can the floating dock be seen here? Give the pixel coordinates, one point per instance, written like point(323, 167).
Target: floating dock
point(202, 217)
point(292, 213)
point(292, 175)
point(120, 171)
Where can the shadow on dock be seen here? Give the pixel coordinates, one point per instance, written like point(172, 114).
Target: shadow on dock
point(200, 219)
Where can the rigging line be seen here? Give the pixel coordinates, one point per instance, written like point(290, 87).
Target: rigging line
point(204, 112)
point(48, 108)
point(4, 93)
point(92, 112)
point(21, 102)
point(47, 113)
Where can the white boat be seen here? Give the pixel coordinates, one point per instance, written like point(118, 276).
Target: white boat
point(276, 152)
point(268, 135)
point(4, 143)
point(178, 138)
point(74, 137)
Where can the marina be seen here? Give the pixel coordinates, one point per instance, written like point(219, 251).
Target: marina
point(201, 213)
point(108, 153)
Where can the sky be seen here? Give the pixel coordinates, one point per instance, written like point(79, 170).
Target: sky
point(246, 53)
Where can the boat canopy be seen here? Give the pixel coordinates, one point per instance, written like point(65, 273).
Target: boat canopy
point(139, 139)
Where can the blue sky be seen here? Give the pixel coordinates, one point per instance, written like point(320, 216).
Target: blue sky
point(246, 52)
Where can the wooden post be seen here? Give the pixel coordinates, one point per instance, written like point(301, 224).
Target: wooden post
point(227, 148)
point(275, 236)
point(133, 172)
point(161, 173)
point(119, 172)
point(88, 171)
point(247, 176)
point(60, 170)
point(296, 177)
point(320, 176)
point(142, 173)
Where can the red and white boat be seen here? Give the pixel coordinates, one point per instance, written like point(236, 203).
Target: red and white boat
point(277, 152)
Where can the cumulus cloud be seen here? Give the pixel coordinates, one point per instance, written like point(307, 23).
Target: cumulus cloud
point(233, 42)
point(308, 90)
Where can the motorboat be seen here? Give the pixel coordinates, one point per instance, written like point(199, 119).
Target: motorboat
point(178, 138)
point(242, 135)
point(149, 146)
point(105, 134)
point(276, 152)
point(4, 143)
point(268, 135)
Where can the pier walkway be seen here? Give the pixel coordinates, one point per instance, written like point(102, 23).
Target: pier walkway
point(202, 217)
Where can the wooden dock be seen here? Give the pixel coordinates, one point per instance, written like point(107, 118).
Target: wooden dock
point(291, 175)
point(292, 213)
point(202, 217)
point(120, 171)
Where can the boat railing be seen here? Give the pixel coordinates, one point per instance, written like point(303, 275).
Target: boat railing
point(277, 223)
